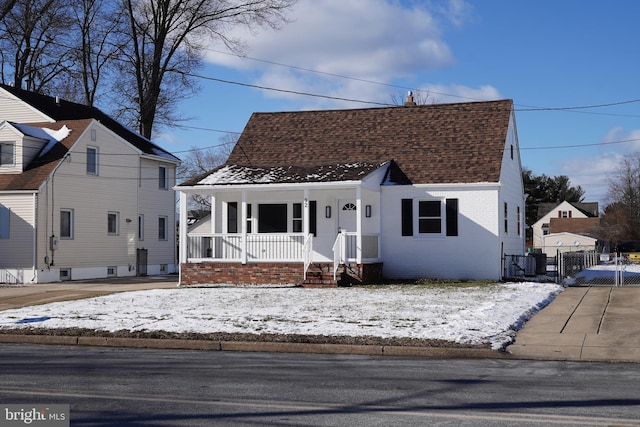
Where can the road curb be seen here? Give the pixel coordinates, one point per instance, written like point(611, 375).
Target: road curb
point(255, 346)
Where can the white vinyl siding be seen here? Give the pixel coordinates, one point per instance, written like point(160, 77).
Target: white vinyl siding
point(5, 218)
point(17, 250)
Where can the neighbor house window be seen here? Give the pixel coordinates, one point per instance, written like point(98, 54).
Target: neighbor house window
point(519, 220)
point(429, 217)
point(163, 231)
point(140, 227)
point(506, 218)
point(297, 218)
point(113, 223)
point(66, 223)
point(5, 214)
point(7, 153)
point(92, 161)
point(249, 218)
point(564, 214)
point(272, 218)
point(163, 178)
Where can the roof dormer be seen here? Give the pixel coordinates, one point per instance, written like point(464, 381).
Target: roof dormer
point(20, 144)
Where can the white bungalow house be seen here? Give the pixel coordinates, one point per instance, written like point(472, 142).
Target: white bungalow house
point(565, 227)
point(362, 195)
point(81, 196)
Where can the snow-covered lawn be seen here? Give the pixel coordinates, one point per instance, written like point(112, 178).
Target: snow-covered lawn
point(488, 314)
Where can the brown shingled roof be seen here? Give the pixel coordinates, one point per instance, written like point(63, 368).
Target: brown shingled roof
point(41, 167)
point(573, 225)
point(439, 143)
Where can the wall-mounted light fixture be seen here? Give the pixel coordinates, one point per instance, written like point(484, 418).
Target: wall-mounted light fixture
point(327, 211)
point(367, 211)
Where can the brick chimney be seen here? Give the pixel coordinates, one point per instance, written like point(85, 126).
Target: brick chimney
point(409, 102)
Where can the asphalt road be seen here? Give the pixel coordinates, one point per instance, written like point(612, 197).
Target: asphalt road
point(138, 387)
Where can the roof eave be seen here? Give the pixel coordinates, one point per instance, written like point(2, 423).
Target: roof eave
point(269, 187)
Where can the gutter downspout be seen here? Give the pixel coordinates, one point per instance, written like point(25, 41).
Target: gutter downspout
point(35, 237)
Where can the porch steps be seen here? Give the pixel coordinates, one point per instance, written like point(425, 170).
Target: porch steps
point(320, 276)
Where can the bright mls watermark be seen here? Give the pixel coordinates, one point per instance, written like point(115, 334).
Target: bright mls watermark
point(34, 415)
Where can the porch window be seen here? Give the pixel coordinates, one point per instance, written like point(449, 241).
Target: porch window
point(297, 218)
point(313, 217)
point(7, 157)
point(5, 214)
point(272, 218)
point(232, 217)
point(249, 218)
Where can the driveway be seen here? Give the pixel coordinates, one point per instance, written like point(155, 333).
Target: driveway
point(584, 323)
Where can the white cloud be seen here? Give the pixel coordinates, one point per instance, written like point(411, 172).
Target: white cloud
point(376, 40)
point(593, 172)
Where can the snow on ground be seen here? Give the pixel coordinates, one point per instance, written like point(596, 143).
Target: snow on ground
point(466, 315)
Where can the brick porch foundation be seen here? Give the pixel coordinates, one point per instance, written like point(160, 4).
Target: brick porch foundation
point(267, 273)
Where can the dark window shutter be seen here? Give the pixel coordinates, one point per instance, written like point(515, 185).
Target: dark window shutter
point(407, 217)
point(232, 217)
point(452, 217)
point(313, 217)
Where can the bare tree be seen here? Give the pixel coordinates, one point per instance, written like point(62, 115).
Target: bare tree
point(621, 220)
point(34, 43)
point(100, 36)
point(166, 43)
point(419, 97)
point(202, 160)
point(5, 7)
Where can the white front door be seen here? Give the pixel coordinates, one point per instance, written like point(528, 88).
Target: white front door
point(347, 215)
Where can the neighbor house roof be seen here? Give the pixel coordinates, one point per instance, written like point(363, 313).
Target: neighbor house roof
point(590, 209)
point(573, 225)
point(42, 165)
point(59, 110)
point(439, 143)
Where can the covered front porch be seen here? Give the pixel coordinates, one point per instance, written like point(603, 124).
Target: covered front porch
point(283, 234)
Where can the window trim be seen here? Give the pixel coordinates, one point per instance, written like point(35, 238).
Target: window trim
point(163, 232)
point(11, 144)
point(117, 223)
point(163, 178)
point(71, 224)
point(95, 172)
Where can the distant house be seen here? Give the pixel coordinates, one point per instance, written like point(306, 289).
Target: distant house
point(565, 227)
point(81, 196)
point(360, 196)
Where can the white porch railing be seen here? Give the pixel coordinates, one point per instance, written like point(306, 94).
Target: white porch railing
point(345, 249)
point(7, 278)
point(258, 247)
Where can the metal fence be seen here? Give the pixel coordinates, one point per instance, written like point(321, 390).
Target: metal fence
point(585, 268)
point(592, 268)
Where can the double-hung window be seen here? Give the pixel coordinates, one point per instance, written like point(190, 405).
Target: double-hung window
point(430, 218)
point(163, 230)
point(66, 223)
point(163, 178)
point(7, 153)
point(92, 160)
point(113, 223)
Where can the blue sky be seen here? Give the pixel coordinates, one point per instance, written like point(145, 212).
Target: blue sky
point(545, 55)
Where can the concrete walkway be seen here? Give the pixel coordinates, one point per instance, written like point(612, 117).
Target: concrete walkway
point(584, 323)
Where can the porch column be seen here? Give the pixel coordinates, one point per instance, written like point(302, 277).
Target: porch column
point(212, 214)
point(182, 257)
point(243, 227)
point(305, 213)
point(359, 224)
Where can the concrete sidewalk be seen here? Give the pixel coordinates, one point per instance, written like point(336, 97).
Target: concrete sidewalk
point(584, 323)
